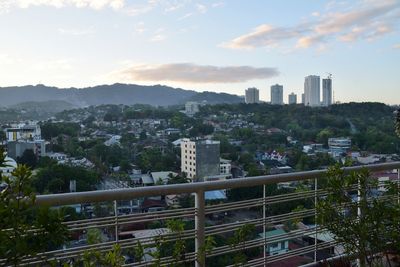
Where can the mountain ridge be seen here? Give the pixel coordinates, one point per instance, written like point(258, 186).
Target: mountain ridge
point(118, 93)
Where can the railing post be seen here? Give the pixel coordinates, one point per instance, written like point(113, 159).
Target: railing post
point(264, 226)
point(116, 221)
point(398, 186)
point(200, 229)
point(315, 218)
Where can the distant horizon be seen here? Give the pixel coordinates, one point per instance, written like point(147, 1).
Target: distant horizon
point(262, 101)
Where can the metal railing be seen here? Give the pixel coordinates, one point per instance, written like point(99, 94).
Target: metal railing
point(200, 214)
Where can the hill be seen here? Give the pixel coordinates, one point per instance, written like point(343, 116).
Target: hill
point(127, 94)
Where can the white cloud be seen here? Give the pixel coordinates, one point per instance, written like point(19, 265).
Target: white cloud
point(201, 8)
point(192, 73)
point(94, 4)
point(187, 15)
point(218, 4)
point(263, 36)
point(75, 31)
point(367, 21)
point(140, 27)
point(158, 38)
point(396, 46)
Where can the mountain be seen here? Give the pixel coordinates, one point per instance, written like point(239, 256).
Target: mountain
point(217, 98)
point(128, 94)
point(49, 106)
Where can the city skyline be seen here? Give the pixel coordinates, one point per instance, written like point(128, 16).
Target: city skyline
point(203, 46)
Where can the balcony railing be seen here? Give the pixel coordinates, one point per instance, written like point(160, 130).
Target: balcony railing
point(308, 242)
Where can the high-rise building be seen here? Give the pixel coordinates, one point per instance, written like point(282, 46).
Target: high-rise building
point(327, 91)
point(252, 95)
point(303, 98)
point(312, 91)
point(277, 94)
point(292, 99)
point(200, 159)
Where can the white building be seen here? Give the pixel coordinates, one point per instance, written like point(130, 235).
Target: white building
point(312, 91)
point(200, 158)
point(339, 145)
point(24, 132)
point(191, 108)
point(277, 94)
point(114, 140)
point(252, 95)
point(225, 167)
point(292, 99)
point(57, 156)
point(327, 92)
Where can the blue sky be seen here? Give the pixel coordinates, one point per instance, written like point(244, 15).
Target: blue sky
point(220, 45)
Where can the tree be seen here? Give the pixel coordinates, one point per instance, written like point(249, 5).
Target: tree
point(94, 236)
point(2, 136)
point(28, 158)
point(26, 229)
point(364, 227)
point(240, 236)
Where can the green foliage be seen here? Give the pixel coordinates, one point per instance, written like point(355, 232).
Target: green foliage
point(179, 246)
point(365, 227)
point(55, 178)
point(200, 129)
point(238, 240)
point(51, 129)
point(93, 236)
point(28, 158)
point(139, 251)
point(153, 160)
point(373, 124)
point(94, 258)
point(209, 245)
point(26, 229)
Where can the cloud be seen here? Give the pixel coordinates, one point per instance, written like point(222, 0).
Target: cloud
point(158, 38)
point(396, 46)
point(366, 21)
point(201, 8)
point(192, 73)
point(187, 15)
point(218, 4)
point(94, 4)
point(140, 27)
point(263, 36)
point(75, 31)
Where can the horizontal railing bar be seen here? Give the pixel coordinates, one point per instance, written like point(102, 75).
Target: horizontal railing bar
point(132, 193)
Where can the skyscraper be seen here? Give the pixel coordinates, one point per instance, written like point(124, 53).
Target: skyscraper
point(277, 94)
point(327, 91)
point(252, 95)
point(312, 91)
point(292, 99)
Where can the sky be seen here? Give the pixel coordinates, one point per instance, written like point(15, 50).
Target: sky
point(214, 45)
